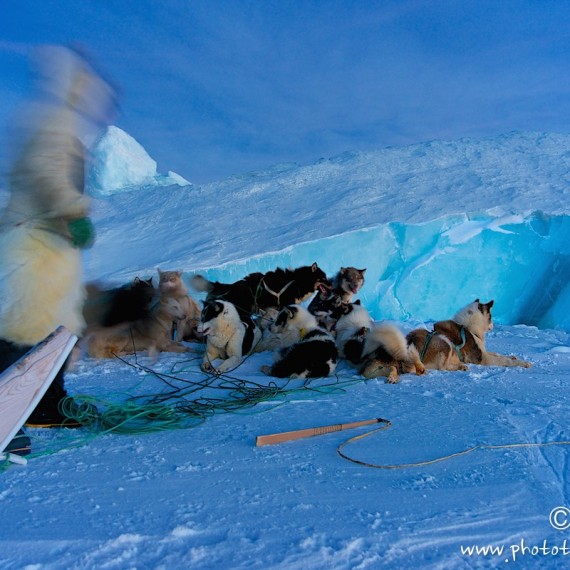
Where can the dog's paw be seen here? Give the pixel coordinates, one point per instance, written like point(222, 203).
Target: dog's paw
point(266, 370)
point(393, 376)
point(463, 367)
point(525, 363)
point(206, 367)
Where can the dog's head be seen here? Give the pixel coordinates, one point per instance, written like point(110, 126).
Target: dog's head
point(267, 317)
point(312, 278)
point(211, 311)
point(172, 308)
point(350, 279)
point(293, 317)
point(476, 317)
point(143, 288)
point(169, 281)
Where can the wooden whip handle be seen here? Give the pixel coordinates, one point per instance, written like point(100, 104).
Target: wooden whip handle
point(310, 432)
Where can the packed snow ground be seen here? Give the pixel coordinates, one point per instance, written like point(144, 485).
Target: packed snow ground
point(206, 497)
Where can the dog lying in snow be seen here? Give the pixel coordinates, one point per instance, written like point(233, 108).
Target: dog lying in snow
point(126, 304)
point(151, 333)
point(379, 349)
point(227, 336)
point(327, 302)
point(308, 350)
point(351, 330)
point(460, 341)
point(257, 291)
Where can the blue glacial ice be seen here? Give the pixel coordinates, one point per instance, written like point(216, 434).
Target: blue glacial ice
point(428, 271)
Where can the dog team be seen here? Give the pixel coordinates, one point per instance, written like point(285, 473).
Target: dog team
point(263, 312)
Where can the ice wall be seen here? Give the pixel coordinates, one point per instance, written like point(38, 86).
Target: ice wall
point(428, 271)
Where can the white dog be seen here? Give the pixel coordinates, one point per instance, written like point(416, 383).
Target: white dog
point(227, 337)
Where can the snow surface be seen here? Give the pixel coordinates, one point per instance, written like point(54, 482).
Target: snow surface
point(436, 225)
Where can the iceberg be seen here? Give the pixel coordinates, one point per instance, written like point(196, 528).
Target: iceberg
point(119, 163)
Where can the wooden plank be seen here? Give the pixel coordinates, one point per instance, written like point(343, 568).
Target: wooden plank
point(23, 384)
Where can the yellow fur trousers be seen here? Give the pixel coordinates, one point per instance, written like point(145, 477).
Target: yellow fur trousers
point(40, 285)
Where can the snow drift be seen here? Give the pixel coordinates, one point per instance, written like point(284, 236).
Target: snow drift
point(436, 224)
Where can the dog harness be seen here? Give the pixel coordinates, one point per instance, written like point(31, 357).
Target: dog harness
point(457, 347)
point(277, 295)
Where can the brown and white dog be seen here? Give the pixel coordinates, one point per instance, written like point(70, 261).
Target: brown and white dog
point(378, 349)
point(460, 341)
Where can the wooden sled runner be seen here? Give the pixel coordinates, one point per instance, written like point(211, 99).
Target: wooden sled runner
point(23, 384)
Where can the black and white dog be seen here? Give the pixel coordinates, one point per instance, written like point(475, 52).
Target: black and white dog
point(258, 291)
point(351, 329)
point(228, 337)
point(309, 351)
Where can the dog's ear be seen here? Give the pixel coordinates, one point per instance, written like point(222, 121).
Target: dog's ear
point(477, 301)
point(357, 302)
point(314, 267)
point(362, 271)
point(490, 304)
point(136, 280)
point(290, 312)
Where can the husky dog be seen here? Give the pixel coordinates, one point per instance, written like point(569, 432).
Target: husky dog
point(170, 285)
point(126, 304)
point(258, 291)
point(313, 355)
point(151, 333)
point(291, 324)
point(227, 336)
point(461, 340)
point(351, 329)
point(387, 353)
point(326, 304)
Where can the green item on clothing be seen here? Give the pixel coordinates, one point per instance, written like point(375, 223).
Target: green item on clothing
point(82, 232)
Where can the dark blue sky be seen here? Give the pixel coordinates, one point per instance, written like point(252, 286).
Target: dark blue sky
point(214, 88)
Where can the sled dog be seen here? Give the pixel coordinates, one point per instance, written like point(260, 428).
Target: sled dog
point(313, 355)
point(387, 353)
point(378, 349)
point(170, 285)
point(291, 324)
point(460, 341)
point(351, 329)
point(228, 337)
point(327, 302)
point(257, 291)
point(126, 304)
point(151, 333)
